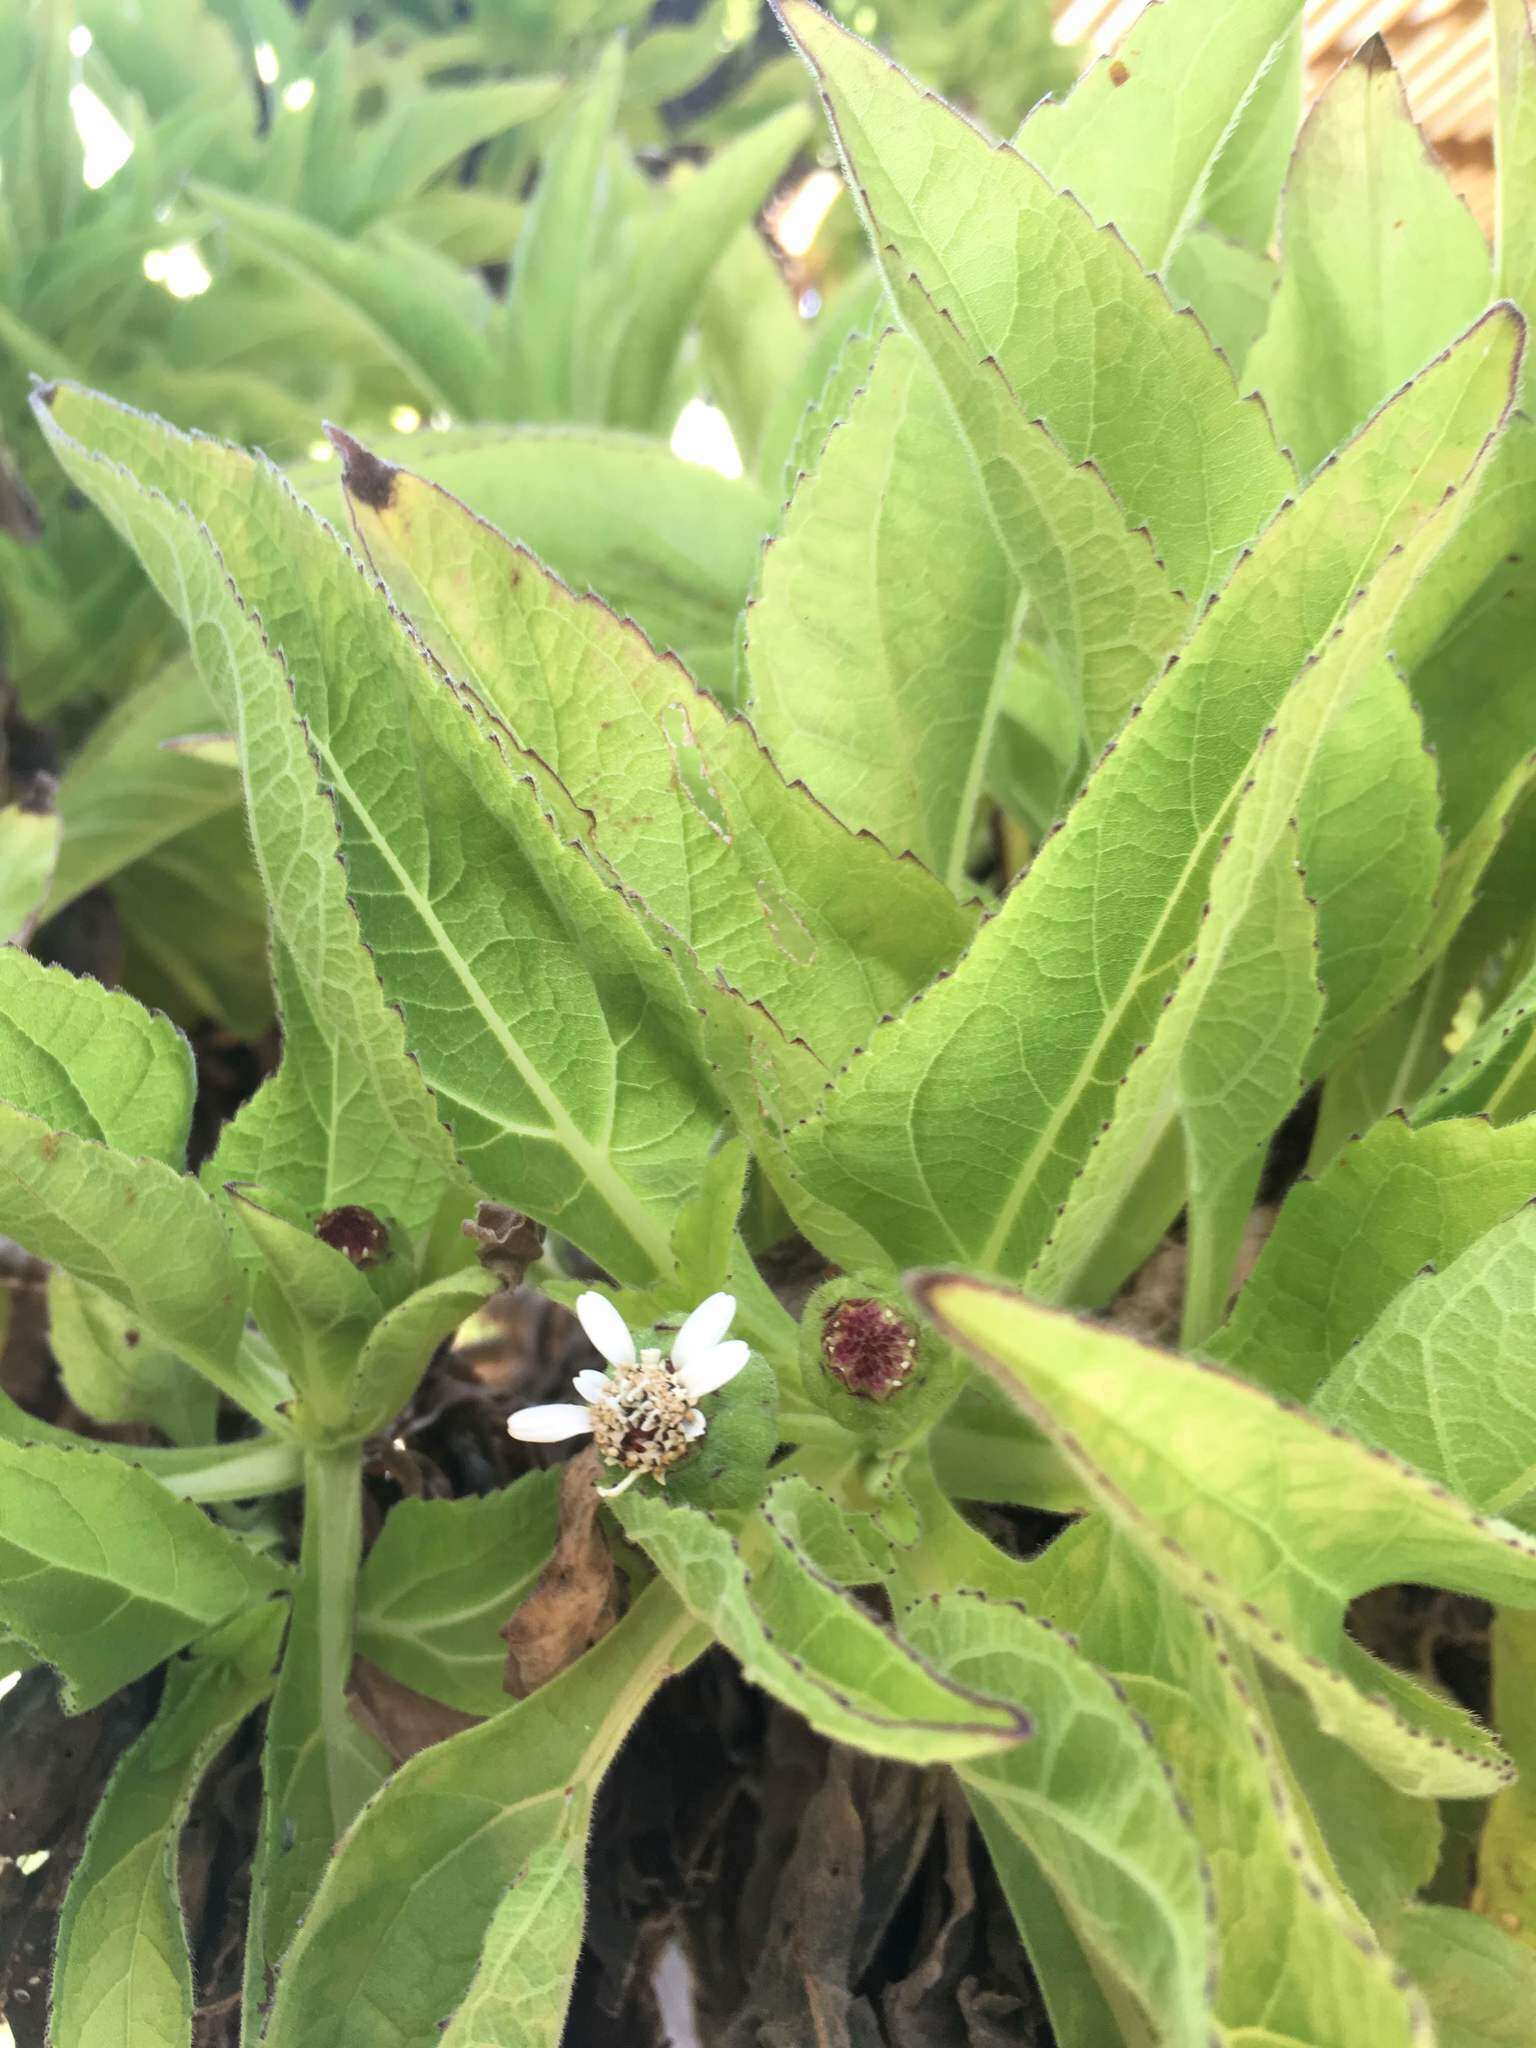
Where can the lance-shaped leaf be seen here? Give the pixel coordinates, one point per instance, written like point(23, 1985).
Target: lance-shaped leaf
point(522, 1988)
point(399, 1348)
point(805, 1641)
point(30, 839)
point(401, 1916)
point(425, 314)
point(960, 1130)
point(1346, 1245)
point(1329, 1984)
point(541, 335)
point(884, 620)
point(1090, 1801)
point(123, 1977)
point(556, 1039)
point(313, 1306)
point(850, 594)
point(1277, 1537)
point(769, 891)
point(145, 1236)
point(1115, 374)
point(1494, 1073)
point(1227, 287)
point(1514, 54)
point(1507, 1847)
point(1140, 135)
point(103, 1574)
point(113, 1372)
point(126, 792)
point(668, 543)
point(443, 1577)
point(673, 256)
point(346, 1118)
point(1442, 1376)
point(85, 1059)
point(1371, 846)
point(1478, 1981)
point(1225, 1060)
point(1368, 293)
point(1242, 193)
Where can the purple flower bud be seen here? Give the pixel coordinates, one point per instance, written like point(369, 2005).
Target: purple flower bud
point(869, 1347)
point(356, 1232)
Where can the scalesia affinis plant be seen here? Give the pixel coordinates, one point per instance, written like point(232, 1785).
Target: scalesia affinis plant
point(1090, 836)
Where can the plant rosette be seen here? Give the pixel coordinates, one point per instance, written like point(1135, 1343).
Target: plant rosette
point(648, 1416)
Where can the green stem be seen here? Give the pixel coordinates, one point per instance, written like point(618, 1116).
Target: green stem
point(240, 1471)
point(333, 1541)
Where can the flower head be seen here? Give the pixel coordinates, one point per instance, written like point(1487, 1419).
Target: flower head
point(869, 1348)
point(643, 1414)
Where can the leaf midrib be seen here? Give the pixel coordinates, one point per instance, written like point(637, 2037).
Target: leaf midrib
point(597, 1166)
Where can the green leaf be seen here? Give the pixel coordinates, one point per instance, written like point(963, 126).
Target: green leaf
point(1442, 1376)
point(522, 1988)
point(560, 1103)
point(1481, 736)
point(126, 792)
point(1368, 293)
point(799, 1637)
point(1225, 1061)
point(1089, 1799)
point(29, 853)
point(400, 1919)
point(1140, 136)
point(1329, 1984)
point(1118, 378)
point(195, 928)
point(672, 545)
point(1514, 58)
point(1346, 1245)
point(1229, 289)
point(86, 1059)
point(399, 154)
point(123, 1977)
point(313, 1306)
point(853, 643)
point(674, 254)
point(1478, 1983)
point(104, 1575)
point(399, 1348)
point(419, 311)
point(751, 336)
point(205, 1472)
point(908, 1140)
point(542, 334)
point(443, 1577)
point(1383, 1844)
point(110, 1371)
point(1242, 194)
point(1277, 1537)
point(1494, 1073)
point(147, 1237)
point(1507, 1847)
point(767, 890)
point(347, 1118)
point(1372, 850)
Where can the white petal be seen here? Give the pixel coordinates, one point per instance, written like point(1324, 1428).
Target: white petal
point(696, 1428)
point(550, 1425)
point(606, 1329)
point(703, 1330)
point(591, 1384)
point(708, 1374)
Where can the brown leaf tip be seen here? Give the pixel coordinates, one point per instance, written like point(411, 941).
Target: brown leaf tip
point(869, 1347)
point(367, 478)
point(356, 1233)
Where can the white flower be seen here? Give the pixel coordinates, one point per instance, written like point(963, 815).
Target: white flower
point(644, 1414)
